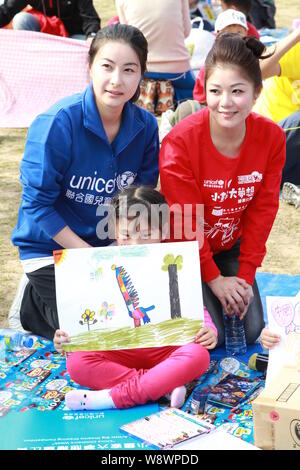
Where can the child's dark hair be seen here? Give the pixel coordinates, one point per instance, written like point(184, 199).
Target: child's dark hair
point(233, 49)
point(150, 199)
point(241, 5)
point(123, 33)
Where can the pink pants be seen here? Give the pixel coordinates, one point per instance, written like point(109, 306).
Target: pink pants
point(136, 376)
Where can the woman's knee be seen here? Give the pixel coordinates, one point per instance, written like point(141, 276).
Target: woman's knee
point(26, 21)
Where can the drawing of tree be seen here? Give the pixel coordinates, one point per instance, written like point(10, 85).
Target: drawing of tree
point(173, 265)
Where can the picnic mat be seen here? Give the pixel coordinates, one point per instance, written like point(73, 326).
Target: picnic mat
point(36, 70)
point(33, 384)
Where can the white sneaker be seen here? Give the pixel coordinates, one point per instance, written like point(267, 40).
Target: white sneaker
point(14, 312)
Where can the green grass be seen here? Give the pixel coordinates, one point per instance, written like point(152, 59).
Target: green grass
point(174, 332)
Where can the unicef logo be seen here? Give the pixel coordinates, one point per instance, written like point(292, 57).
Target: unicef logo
point(125, 180)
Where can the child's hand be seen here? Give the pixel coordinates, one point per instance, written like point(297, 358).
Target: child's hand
point(269, 339)
point(206, 337)
point(59, 338)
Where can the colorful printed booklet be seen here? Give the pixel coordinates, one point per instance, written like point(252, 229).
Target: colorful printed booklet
point(167, 428)
point(232, 390)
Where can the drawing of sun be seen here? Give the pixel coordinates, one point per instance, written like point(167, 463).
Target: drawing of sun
point(59, 256)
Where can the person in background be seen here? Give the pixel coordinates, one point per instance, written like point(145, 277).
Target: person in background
point(77, 155)
point(77, 19)
point(280, 96)
point(228, 161)
point(291, 171)
point(262, 14)
point(165, 24)
point(230, 21)
point(130, 377)
point(195, 12)
point(244, 6)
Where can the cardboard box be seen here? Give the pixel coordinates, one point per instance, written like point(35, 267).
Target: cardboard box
point(276, 412)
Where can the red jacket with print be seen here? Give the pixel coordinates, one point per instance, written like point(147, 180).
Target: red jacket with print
point(240, 195)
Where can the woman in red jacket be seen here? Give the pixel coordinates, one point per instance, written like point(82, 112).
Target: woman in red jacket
point(229, 160)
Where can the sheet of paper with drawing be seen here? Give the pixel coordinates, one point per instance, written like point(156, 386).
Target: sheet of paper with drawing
point(121, 297)
point(284, 319)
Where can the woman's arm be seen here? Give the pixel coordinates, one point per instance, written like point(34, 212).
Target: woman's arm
point(182, 192)
point(89, 16)
point(179, 186)
point(270, 66)
point(187, 26)
point(260, 214)
point(68, 239)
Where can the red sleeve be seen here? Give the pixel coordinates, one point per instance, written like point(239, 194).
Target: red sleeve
point(199, 92)
point(179, 186)
point(261, 212)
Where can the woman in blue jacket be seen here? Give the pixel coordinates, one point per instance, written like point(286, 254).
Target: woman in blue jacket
point(77, 155)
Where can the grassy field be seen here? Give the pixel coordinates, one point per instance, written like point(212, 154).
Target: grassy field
point(283, 245)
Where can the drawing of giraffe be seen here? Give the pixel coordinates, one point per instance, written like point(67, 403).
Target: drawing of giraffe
point(131, 298)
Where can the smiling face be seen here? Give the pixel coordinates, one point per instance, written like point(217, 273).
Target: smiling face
point(230, 96)
point(115, 73)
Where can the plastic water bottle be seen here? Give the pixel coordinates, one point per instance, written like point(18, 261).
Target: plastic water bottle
point(235, 340)
point(198, 402)
point(16, 340)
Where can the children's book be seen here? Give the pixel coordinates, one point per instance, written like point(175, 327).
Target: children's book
point(232, 390)
point(167, 428)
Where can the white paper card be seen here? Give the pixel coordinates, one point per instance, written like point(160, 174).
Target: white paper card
point(284, 319)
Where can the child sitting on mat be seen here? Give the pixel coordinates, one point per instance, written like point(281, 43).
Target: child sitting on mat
point(125, 378)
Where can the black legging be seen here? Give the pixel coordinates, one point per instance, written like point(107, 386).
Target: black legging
point(227, 262)
point(38, 311)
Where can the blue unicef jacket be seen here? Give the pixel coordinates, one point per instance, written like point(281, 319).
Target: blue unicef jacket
point(69, 168)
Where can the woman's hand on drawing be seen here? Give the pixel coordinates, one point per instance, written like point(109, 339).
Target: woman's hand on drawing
point(206, 337)
point(234, 294)
point(60, 337)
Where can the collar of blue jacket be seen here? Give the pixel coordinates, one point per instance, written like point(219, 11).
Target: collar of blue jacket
point(132, 123)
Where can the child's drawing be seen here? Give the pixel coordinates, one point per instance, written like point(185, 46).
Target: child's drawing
point(87, 318)
point(106, 312)
point(284, 319)
point(173, 265)
point(287, 315)
point(120, 297)
point(130, 297)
